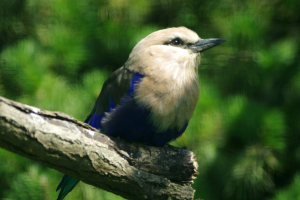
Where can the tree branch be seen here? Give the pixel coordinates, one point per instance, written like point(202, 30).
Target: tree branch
point(77, 149)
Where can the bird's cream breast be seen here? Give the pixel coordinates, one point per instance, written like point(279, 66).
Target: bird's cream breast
point(171, 93)
point(171, 108)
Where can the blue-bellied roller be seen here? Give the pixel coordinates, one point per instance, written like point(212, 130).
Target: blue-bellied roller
point(152, 97)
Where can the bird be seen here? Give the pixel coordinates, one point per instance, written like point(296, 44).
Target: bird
point(152, 97)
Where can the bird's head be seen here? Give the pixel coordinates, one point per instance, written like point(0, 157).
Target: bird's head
point(171, 46)
point(180, 37)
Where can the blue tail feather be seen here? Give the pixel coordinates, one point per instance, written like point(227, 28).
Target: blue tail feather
point(66, 185)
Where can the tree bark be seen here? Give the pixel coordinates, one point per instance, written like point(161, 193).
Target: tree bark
point(131, 170)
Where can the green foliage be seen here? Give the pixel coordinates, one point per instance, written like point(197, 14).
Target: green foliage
point(27, 185)
point(291, 192)
point(26, 65)
point(57, 54)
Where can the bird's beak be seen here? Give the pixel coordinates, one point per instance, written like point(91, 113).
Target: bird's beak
point(204, 44)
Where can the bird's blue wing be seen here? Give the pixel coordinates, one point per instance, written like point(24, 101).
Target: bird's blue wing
point(120, 84)
point(117, 86)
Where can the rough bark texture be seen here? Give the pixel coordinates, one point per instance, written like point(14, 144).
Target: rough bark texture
point(131, 170)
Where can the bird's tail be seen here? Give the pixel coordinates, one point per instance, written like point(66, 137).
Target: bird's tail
point(66, 185)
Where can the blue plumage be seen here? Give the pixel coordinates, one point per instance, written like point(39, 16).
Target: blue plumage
point(66, 185)
point(96, 119)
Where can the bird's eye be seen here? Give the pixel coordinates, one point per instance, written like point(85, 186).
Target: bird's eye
point(176, 42)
